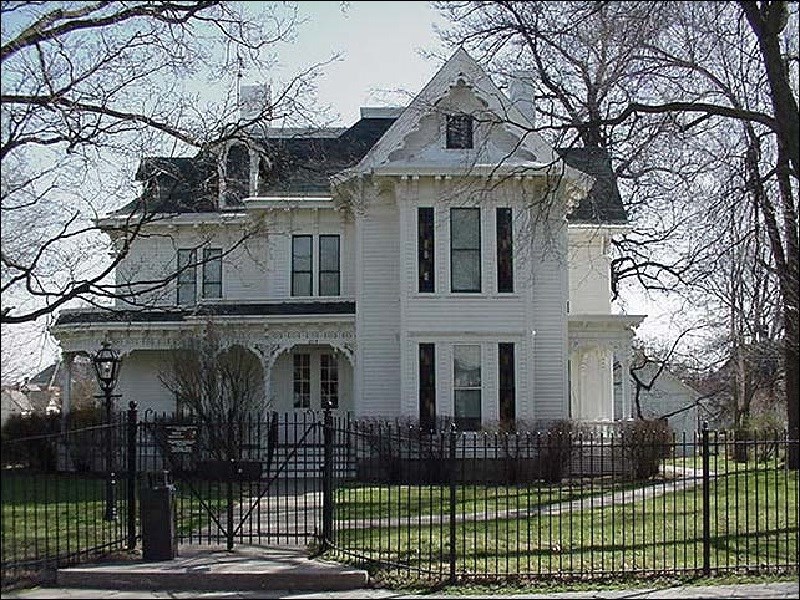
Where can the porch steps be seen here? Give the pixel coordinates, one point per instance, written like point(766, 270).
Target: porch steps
point(212, 568)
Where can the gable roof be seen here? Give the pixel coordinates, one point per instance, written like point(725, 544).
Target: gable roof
point(460, 67)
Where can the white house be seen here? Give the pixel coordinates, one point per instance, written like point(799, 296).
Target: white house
point(438, 259)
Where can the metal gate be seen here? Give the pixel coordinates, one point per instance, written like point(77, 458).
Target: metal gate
point(256, 480)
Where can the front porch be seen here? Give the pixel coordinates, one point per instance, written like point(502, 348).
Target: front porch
point(305, 349)
point(596, 344)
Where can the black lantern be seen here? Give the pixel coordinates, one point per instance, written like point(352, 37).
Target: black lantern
point(106, 365)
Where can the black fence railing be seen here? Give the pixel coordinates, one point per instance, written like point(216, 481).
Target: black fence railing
point(570, 502)
point(63, 495)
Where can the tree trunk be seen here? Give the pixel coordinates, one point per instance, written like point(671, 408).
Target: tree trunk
point(792, 381)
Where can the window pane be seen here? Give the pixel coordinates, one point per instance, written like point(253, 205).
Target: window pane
point(468, 403)
point(329, 284)
point(505, 259)
point(507, 400)
point(329, 253)
point(301, 253)
point(466, 271)
point(329, 380)
point(186, 293)
point(212, 290)
point(301, 284)
point(465, 228)
point(459, 131)
point(467, 360)
point(427, 386)
point(425, 250)
point(302, 380)
point(212, 273)
point(187, 277)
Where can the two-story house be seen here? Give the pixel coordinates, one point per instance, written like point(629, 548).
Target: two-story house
point(434, 260)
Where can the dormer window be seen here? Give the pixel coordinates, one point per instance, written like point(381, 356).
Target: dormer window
point(459, 132)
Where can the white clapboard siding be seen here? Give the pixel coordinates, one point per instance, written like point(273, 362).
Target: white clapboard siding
point(378, 319)
point(548, 320)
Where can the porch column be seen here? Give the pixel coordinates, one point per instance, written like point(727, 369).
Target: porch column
point(66, 385)
point(625, 366)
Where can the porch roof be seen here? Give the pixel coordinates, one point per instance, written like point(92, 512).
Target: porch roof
point(182, 314)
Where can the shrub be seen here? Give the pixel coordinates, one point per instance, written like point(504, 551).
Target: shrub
point(28, 441)
point(646, 442)
point(556, 451)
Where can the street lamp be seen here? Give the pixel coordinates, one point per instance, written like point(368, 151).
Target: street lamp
point(106, 365)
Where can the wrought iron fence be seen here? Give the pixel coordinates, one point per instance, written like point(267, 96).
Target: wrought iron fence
point(62, 495)
point(565, 502)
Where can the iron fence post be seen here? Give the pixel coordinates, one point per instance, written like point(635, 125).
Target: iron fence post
point(132, 474)
point(453, 435)
point(706, 504)
point(327, 481)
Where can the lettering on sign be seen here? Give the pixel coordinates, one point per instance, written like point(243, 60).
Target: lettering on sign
point(181, 439)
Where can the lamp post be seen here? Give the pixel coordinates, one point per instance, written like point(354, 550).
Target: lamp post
point(106, 365)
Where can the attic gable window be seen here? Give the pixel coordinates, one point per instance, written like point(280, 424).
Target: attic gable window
point(459, 132)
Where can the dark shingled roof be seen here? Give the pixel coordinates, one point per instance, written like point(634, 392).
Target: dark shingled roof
point(603, 203)
point(304, 165)
point(323, 307)
point(301, 165)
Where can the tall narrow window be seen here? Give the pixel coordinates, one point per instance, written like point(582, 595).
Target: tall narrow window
point(329, 380)
point(212, 273)
point(425, 253)
point(302, 265)
point(302, 380)
point(187, 277)
point(427, 386)
point(329, 270)
point(507, 392)
point(467, 387)
point(465, 250)
point(505, 256)
point(459, 131)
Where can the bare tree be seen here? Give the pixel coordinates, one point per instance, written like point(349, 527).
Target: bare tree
point(89, 90)
point(655, 81)
point(219, 387)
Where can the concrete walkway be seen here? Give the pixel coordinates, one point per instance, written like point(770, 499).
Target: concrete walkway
point(757, 591)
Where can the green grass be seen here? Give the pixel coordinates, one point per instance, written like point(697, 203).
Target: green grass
point(48, 515)
point(408, 501)
point(754, 523)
